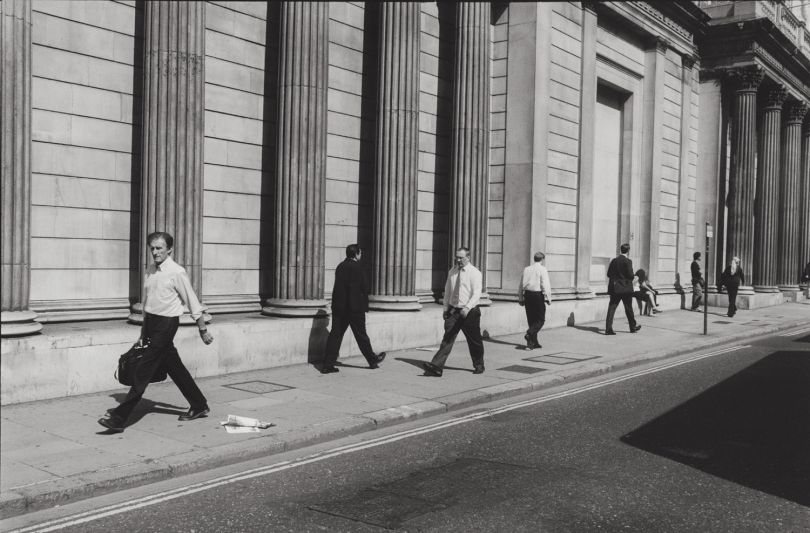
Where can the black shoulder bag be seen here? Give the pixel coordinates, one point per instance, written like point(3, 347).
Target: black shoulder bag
point(128, 365)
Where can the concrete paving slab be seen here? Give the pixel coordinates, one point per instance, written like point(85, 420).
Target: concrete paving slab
point(62, 436)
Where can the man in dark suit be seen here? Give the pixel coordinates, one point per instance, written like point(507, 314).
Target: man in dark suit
point(620, 289)
point(349, 306)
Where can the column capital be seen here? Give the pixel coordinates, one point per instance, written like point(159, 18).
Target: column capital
point(746, 78)
point(689, 60)
point(660, 44)
point(795, 111)
point(589, 5)
point(776, 96)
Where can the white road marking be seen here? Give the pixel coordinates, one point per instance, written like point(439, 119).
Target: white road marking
point(111, 510)
point(794, 333)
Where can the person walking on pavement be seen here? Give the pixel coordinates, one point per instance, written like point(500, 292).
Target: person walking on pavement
point(698, 283)
point(731, 279)
point(534, 292)
point(462, 291)
point(620, 289)
point(349, 307)
point(166, 289)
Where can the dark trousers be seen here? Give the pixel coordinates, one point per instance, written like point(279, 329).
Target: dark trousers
point(357, 321)
point(697, 293)
point(732, 299)
point(627, 300)
point(535, 313)
point(471, 326)
point(160, 331)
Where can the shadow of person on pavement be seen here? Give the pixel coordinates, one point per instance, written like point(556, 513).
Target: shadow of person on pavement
point(144, 407)
point(750, 429)
point(591, 329)
point(495, 341)
point(418, 364)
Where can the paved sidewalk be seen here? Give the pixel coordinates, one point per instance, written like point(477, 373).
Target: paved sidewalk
point(54, 451)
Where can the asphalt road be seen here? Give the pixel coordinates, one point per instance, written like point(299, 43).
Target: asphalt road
point(720, 443)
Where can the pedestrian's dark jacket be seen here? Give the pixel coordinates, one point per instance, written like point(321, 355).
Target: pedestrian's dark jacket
point(349, 294)
point(806, 273)
point(728, 278)
point(696, 270)
point(621, 270)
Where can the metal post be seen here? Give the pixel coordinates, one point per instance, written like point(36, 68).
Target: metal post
point(709, 235)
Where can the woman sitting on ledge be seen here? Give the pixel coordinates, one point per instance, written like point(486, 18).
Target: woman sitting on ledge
point(646, 293)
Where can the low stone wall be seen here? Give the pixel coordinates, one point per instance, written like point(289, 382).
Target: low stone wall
point(80, 358)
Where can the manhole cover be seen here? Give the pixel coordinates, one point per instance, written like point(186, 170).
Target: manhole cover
point(258, 387)
point(379, 508)
point(561, 358)
point(522, 369)
point(470, 480)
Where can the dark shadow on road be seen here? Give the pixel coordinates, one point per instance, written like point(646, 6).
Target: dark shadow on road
point(751, 429)
point(418, 364)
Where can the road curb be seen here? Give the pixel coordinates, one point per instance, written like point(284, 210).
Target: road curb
point(39, 496)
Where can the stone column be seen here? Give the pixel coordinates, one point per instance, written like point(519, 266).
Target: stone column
point(396, 159)
point(15, 91)
point(300, 161)
point(766, 233)
point(684, 254)
point(789, 191)
point(469, 159)
point(172, 138)
point(742, 178)
point(804, 214)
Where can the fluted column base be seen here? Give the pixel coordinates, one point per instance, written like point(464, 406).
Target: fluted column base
point(382, 302)
point(793, 294)
point(584, 293)
point(485, 300)
point(136, 316)
point(746, 290)
point(295, 308)
point(766, 288)
point(18, 323)
point(791, 287)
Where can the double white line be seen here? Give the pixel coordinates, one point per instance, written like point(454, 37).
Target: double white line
point(794, 333)
point(146, 501)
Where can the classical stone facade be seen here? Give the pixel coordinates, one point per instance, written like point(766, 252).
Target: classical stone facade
point(268, 136)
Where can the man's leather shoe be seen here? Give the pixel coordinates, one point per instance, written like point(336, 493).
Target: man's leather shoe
point(379, 359)
point(636, 328)
point(113, 423)
point(329, 370)
point(432, 370)
point(610, 332)
point(193, 414)
point(479, 369)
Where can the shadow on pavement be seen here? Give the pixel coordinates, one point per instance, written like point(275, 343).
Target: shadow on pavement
point(751, 429)
point(418, 364)
point(146, 406)
point(592, 329)
point(496, 341)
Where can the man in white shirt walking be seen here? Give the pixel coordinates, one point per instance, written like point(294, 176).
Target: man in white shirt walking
point(462, 291)
point(534, 292)
point(166, 289)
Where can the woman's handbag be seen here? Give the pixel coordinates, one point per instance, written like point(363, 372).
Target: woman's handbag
point(128, 365)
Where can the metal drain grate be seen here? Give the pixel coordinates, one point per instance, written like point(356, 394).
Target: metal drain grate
point(258, 387)
point(522, 369)
point(377, 508)
point(561, 358)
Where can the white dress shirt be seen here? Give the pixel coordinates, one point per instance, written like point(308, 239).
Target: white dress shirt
point(469, 289)
point(535, 278)
point(167, 288)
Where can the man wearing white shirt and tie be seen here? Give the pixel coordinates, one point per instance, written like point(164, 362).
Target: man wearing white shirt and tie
point(462, 291)
point(534, 292)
